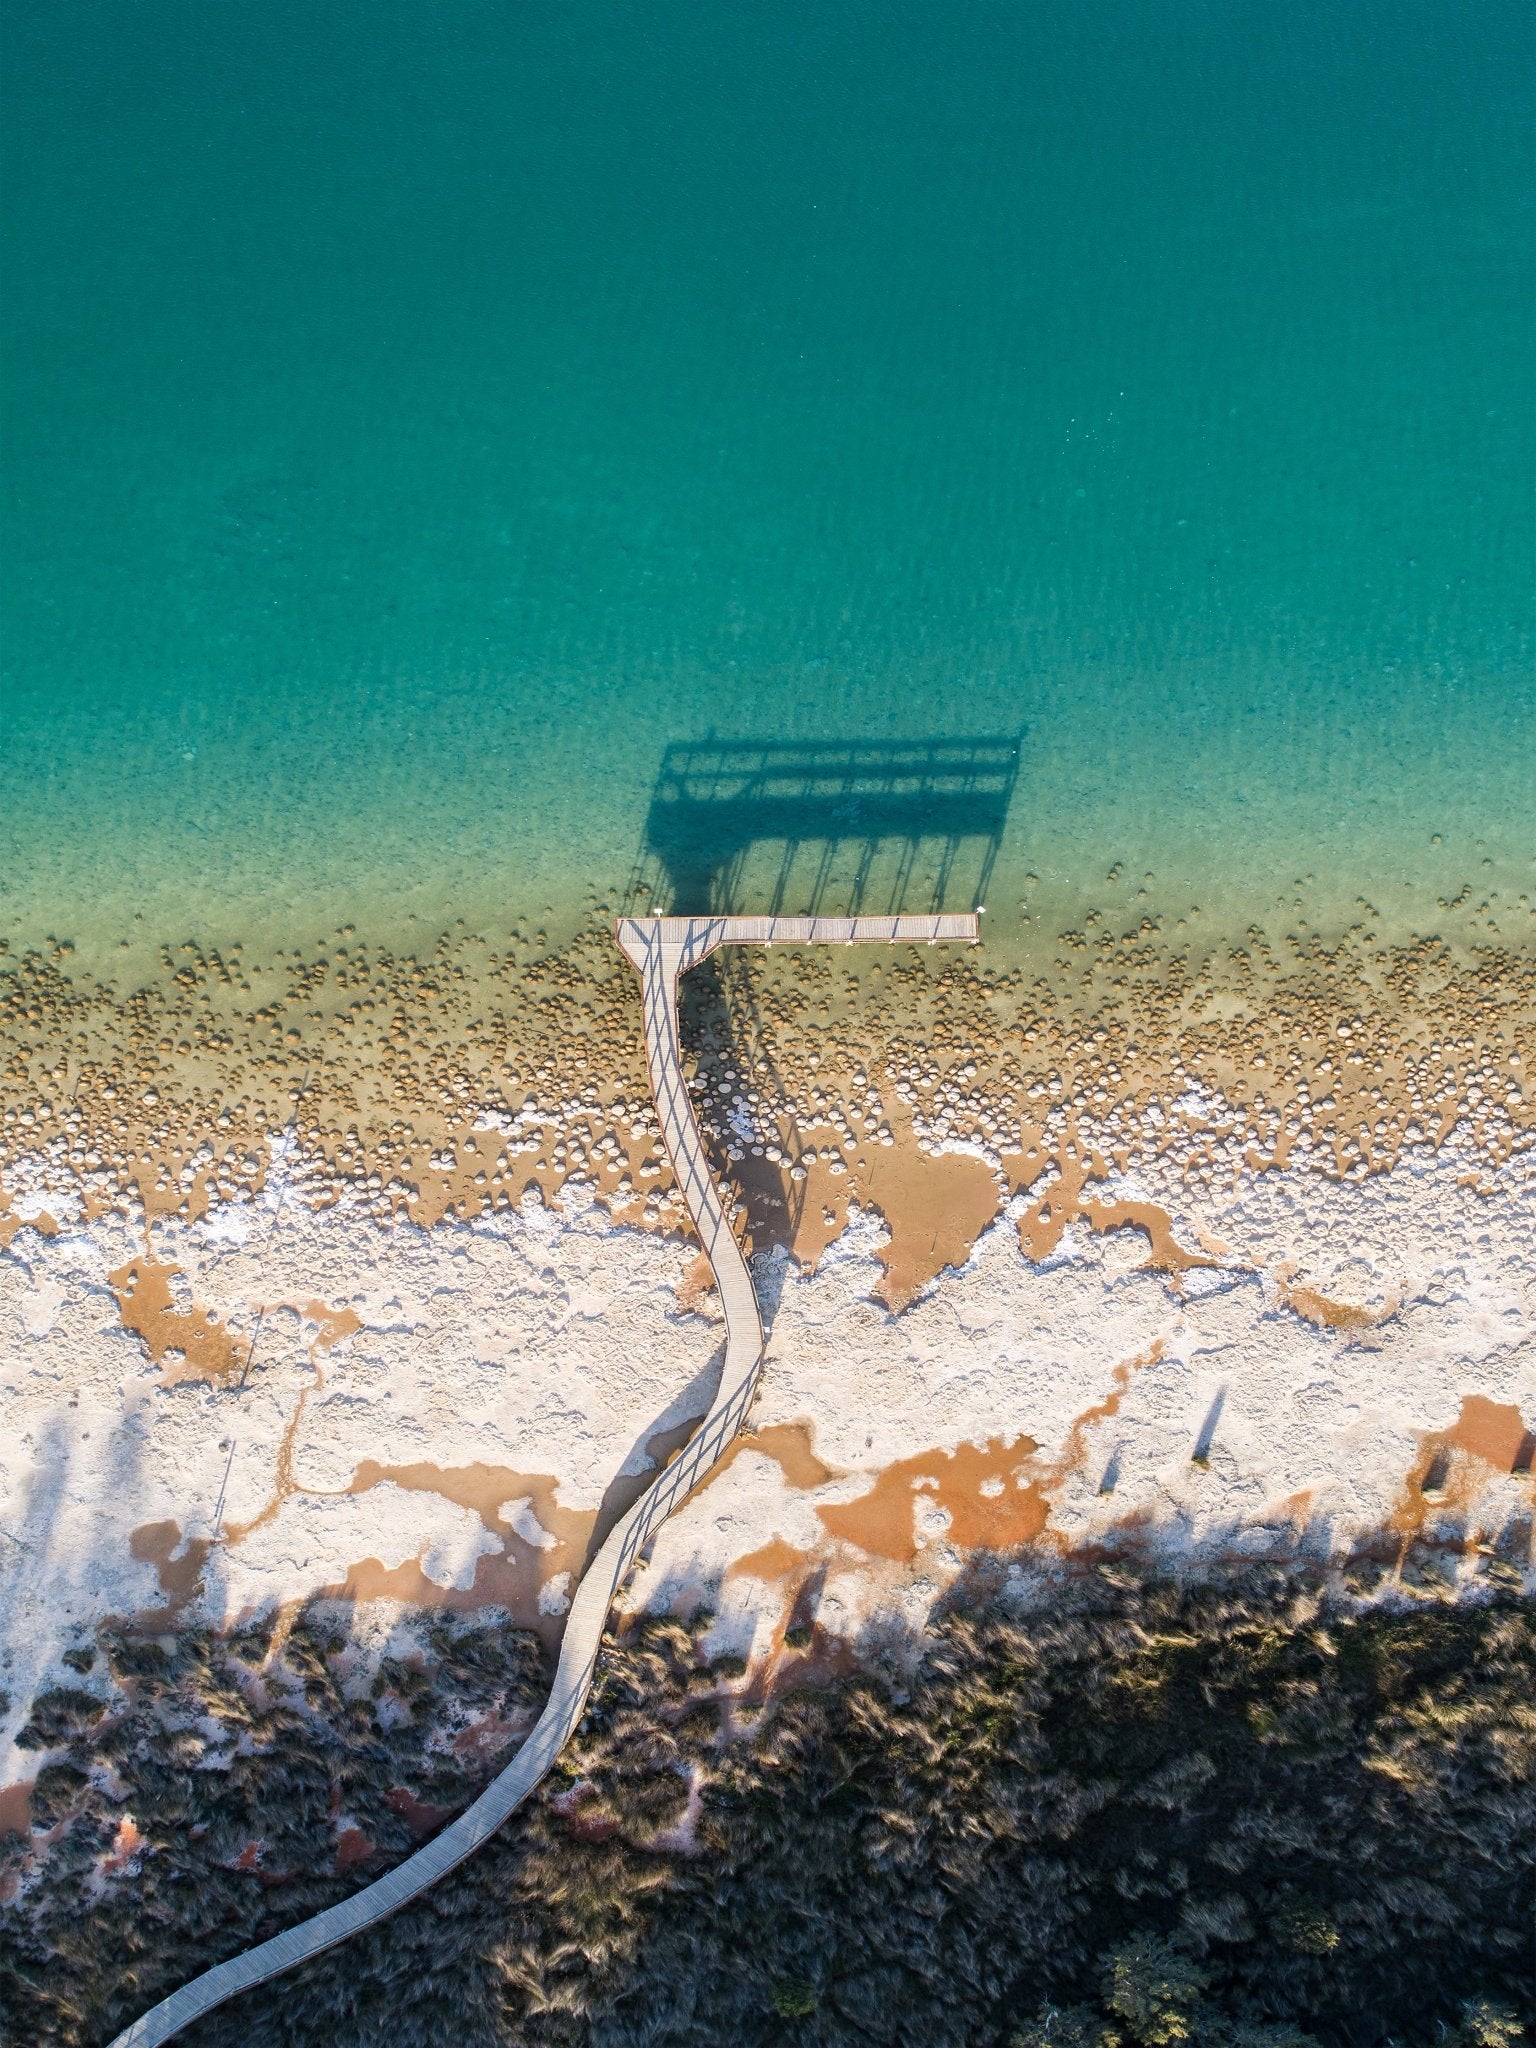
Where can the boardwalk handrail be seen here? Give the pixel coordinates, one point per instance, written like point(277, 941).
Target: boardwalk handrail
point(662, 949)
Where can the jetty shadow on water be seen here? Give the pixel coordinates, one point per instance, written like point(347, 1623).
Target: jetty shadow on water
point(842, 827)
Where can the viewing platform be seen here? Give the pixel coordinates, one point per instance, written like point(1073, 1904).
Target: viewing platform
point(951, 926)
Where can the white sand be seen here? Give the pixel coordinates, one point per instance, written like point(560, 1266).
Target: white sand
point(552, 1343)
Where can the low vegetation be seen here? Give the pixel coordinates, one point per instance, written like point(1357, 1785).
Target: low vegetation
point(1248, 1815)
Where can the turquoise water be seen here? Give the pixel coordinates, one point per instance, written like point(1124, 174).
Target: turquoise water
point(418, 418)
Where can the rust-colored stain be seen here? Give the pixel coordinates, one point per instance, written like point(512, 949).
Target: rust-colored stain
point(331, 1324)
point(1452, 1464)
point(1296, 1509)
point(1166, 1254)
point(789, 1446)
point(43, 1222)
point(419, 1815)
point(284, 1483)
point(1044, 1222)
point(882, 1521)
point(494, 1585)
point(997, 1495)
point(126, 1843)
point(1494, 1431)
point(512, 1580)
point(1075, 1448)
point(1075, 1166)
point(774, 1560)
point(190, 1343)
point(935, 1206)
point(180, 1577)
point(1323, 1312)
point(485, 1490)
point(352, 1847)
point(16, 1809)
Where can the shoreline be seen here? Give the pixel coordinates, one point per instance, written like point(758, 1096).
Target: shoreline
point(360, 1277)
point(1452, 887)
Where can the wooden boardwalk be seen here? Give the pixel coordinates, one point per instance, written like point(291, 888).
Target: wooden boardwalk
point(662, 950)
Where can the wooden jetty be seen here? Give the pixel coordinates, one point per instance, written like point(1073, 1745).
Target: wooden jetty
point(662, 950)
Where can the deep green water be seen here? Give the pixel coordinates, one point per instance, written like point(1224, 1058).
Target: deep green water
point(418, 417)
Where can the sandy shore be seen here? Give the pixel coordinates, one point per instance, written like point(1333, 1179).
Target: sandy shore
point(364, 1276)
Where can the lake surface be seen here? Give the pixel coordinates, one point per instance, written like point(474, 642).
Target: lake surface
point(419, 419)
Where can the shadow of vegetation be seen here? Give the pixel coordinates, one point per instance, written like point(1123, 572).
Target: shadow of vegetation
point(1311, 1821)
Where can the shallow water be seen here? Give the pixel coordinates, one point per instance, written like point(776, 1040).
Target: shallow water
point(418, 420)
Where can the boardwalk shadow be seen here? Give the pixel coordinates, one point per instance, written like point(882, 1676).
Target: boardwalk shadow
point(653, 1448)
point(721, 1032)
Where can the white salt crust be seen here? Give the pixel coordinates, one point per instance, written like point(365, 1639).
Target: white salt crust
point(551, 1342)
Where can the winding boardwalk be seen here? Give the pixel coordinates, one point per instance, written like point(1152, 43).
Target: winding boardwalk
point(662, 950)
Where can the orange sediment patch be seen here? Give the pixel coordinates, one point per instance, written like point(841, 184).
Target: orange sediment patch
point(1166, 1255)
point(352, 1847)
point(485, 1490)
point(190, 1343)
point(997, 1496)
point(935, 1206)
point(16, 1809)
point(992, 1501)
point(1044, 1223)
point(331, 1324)
point(1494, 1431)
point(1075, 1449)
point(789, 1446)
point(43, 1223)
point(775, 1560)
point(1453, 1464)
point(126, 1844)
point(164, 1189)
point(1074, 1166)
point(180, 1577)
point(1324, 1312)
point(481, 1167)
point(1296, 1509)
point(512, 1579)
point(510, 1582)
